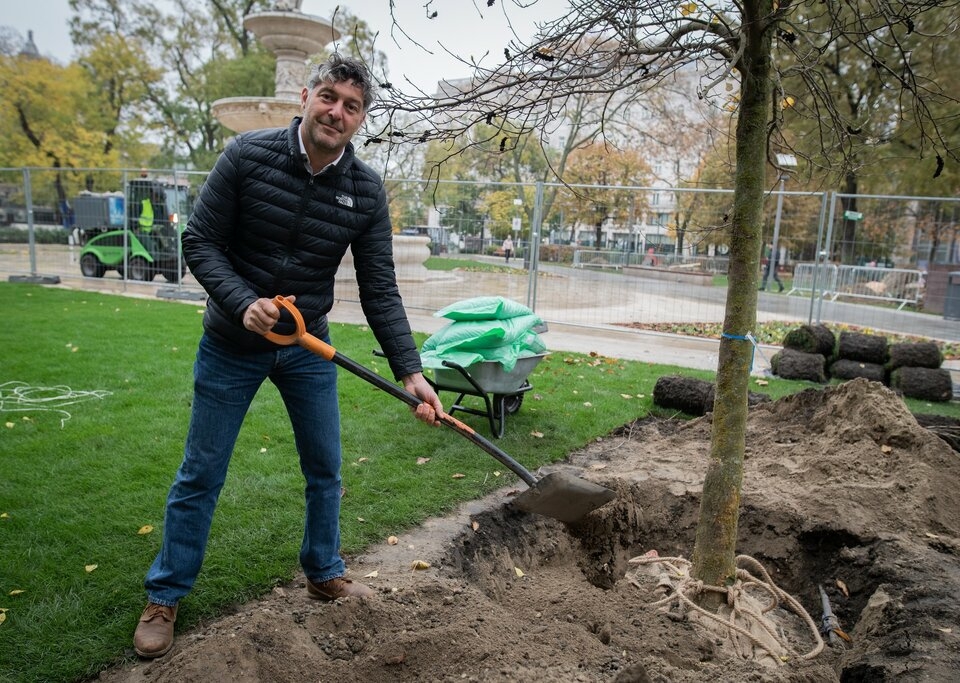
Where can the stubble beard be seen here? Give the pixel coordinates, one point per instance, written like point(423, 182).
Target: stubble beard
point(323, 137)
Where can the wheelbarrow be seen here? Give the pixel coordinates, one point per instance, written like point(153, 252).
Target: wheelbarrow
point(501, 390)
point(558, 494)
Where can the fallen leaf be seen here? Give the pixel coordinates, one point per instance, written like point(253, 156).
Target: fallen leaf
point(372, 575)
point(16, 591)
point(90, 567)
point(419, 564)
point(457, 476)
point(423, 461)
point(474, 525)
point(393, 540)
point(145, 529)
point(518, 572)
point(536, 435)
point(843, 588)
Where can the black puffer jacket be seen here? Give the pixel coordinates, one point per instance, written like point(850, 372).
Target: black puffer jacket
point(264, 226)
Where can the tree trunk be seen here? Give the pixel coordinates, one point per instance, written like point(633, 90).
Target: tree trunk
point(715, 548)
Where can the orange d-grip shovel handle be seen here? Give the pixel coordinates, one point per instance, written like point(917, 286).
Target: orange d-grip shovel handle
point(300, 336)
point(318, 346)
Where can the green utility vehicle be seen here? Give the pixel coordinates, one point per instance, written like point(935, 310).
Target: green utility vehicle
point(136, 233)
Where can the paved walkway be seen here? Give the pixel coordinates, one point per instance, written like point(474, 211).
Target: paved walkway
point(610, 341)
point(579, 331)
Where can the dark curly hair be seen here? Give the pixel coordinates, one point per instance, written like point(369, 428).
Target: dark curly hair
point(338, 69)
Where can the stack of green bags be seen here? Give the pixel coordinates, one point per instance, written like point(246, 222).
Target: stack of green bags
point(485, 328)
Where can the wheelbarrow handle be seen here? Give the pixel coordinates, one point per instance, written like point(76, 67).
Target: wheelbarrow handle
point(311, 343)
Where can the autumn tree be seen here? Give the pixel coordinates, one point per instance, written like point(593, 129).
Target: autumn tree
point(63, 117)
point(869, 89)
point(594, 172)
point(609, 48)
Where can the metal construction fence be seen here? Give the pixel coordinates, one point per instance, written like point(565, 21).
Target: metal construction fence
point(897, 286)
point(585, 255)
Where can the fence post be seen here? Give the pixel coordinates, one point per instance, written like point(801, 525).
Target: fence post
point(33, 277)
point(775, 244)
point(823, 251)
point(535, 227)
point(31, 234)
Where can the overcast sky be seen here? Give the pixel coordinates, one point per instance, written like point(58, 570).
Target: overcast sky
point(468, 27)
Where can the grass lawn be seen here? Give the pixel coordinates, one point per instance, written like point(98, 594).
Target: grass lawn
point(95, 392)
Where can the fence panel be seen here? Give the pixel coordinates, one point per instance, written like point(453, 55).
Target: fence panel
point(584, 258)
point(889, 285)
point(665, 247)
point(810, 279)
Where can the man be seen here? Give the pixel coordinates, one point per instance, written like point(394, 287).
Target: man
point(507, 247)
point(770, 268)
point(275, 216)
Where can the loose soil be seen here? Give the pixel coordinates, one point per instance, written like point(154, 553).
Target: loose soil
point(842, 488)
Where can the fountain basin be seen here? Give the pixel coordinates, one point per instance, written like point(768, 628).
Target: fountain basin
point(250, 113)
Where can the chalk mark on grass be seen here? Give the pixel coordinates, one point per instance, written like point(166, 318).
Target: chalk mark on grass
point(20, 397)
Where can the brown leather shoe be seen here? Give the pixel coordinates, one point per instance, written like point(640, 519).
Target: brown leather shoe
point(335, 589)
point(154, 634)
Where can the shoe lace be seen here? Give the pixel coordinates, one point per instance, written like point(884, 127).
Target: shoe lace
point(154, 610)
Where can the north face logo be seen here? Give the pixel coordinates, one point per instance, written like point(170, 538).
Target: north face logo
point(345, 200)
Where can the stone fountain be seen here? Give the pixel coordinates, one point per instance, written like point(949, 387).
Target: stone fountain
point(292, 36)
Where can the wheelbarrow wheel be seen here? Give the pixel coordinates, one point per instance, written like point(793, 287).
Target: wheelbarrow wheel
point(508, 404)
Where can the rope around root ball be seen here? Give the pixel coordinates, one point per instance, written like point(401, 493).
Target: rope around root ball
point(686, 589)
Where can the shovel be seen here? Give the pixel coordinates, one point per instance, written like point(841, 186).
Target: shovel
point(558, 495)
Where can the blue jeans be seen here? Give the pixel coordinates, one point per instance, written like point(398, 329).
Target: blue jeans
point(224, 385)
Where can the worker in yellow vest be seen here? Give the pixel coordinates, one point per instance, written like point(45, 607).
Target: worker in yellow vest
point(146, 215)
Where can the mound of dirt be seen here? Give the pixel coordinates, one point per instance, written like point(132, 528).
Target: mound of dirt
point(842, 488)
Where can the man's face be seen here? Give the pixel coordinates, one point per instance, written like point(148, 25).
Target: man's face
point(332, 113)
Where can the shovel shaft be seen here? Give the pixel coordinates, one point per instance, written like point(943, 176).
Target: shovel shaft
point(317, 346)
point(322, 348)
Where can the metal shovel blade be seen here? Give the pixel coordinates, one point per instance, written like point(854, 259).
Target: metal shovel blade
point(564, 497)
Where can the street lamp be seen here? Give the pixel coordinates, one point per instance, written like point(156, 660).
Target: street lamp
point(784, 161)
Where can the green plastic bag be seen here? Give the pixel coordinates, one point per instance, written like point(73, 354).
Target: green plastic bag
point(465, 335)
point(483, 308)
